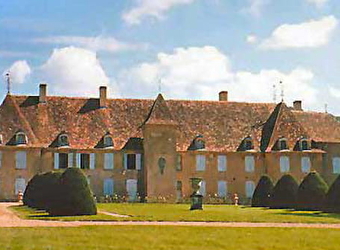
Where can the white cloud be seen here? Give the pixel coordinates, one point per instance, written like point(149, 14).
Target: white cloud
point(153, 8)
point(310, 34)
point(19, 71)
point(256, 7)
point(251, 39)
point(98, 43)
point(73, 71)
point(317, 3)
point(202, 72)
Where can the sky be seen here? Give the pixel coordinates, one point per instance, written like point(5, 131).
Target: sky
point(185, 49)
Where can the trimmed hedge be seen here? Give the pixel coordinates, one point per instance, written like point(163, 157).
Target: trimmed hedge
point(42, 190)
point(262, 193)
point(312, 192)
point(284, 193)
point(332, 203)
point(75, 196)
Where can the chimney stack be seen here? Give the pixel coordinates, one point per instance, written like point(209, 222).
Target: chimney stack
point(297, 105)
point(42, 93)
point(223, 96)
point(102, 96)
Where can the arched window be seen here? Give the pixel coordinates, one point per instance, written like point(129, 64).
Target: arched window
point(21, 138)
point(199, 143)
point(248, 143)
point(304, 144)
point(108, 142)
point(63, 140)
point(283, 145)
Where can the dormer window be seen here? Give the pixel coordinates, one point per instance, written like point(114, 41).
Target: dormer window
point(108, 142)
point(283, 145)
point(63, 140)
point(199, 143)
point(248, 144)
point(304, 144)
point(21, 138)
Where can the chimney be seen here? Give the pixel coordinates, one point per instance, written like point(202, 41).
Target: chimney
point(297, 105)
point(42, 93)
point(102, 96)
point(223, 96)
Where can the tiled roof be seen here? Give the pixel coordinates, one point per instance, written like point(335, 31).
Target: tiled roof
point(223, 125)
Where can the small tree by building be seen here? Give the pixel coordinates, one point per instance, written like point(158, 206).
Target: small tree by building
point(75, 196)
point(263, 192)
point(312, 192)
point(284, 193)
point(332, 203)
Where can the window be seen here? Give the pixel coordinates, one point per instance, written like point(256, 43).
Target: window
point(108, 142)
point(63, 140)
point(249, 162)
point(222, 163)
point(200, 162)
point(222, 189)
point(304, 145)
point(20, 160)
point(85, 161)
point(202, 189)
point(63, 160)
point(108, 186)
point(284, 164)
point(108, 161)
point(179, 163)
point(198, 143)
point(21, 138)
point(131, 189)
point(250, 187)
point(336, 165)
point(283, 145)
point(133, 161)
point(178, 191)
point(248, 144)
point(305, 164)
point(20, 185)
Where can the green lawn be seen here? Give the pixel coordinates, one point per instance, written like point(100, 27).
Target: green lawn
point(181, 212)
point(168, 238)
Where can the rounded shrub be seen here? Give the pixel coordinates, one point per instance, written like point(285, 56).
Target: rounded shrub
point(42, 190)
point(332, 203)
point(75, 196)
point(284, 193)
point(262, 193)
point(312, 192)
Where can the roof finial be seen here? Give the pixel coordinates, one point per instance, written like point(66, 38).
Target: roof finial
point(326, 108)
point(274, 93)
point(282, 91)
point(8, 80)
point(160, 85)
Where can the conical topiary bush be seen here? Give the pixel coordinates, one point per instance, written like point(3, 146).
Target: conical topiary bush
point(312, 192)
point(262, 193)
point(332, 203)
point(284, 193)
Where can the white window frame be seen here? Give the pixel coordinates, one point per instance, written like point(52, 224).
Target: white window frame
point(20, 159)
point(222, 189)
point(138, 161)
point(222, 163)
point(336, 165)
point(250, 188)
point(284, 164)
point(200, 162)
point(305, 164)
point(109, 161)
point(249, 163)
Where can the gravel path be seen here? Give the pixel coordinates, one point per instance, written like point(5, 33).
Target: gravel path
point(9, 219)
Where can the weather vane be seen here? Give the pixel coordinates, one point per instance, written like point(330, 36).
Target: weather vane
point(8, 80)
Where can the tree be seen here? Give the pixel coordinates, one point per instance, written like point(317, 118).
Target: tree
point(42, 190)
point(284, 193)
point(312, 192)
point(332, 203)
point(75, 196)
point(262, 193)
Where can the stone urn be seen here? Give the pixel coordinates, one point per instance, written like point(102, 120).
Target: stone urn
point(196, 197)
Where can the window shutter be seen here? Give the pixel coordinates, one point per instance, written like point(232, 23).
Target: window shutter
point(70, 160)
point(222, 188)
point(108, 161)
point(305, 164)
point(108, 186)
point(250, 187)
point(249, 163)
point(78, 158)
point(20, 159)
point(138, 161)
point(125, 161)
point(92, 161)
point(56, 160)
point(284, 164)
point(202, 190)
point(222, 163)
point(20, 185)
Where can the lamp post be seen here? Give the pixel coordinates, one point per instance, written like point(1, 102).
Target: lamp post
point(196, 197)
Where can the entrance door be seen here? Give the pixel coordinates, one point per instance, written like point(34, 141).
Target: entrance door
point(131, 188)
